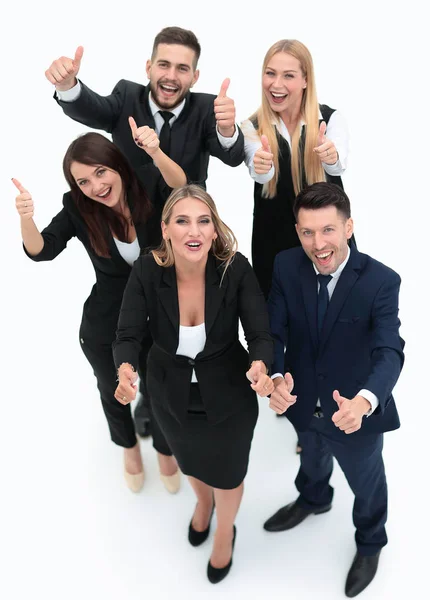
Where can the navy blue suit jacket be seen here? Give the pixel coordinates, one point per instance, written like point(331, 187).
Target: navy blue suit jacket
point(360, 345)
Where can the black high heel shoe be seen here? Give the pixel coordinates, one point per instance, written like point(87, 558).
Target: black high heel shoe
point(216, 575)
point(198, 537)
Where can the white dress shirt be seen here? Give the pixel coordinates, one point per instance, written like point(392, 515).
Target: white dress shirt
point(74, 92)
point(337, 132)
point(367, 394)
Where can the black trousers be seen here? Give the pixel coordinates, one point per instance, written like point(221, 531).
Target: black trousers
point(118, 416)
point(360, 458)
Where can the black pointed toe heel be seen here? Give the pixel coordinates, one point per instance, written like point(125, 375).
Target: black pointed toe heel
point(216, 575)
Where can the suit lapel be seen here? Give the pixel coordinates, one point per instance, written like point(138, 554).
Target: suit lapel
point(214, 294)
point(309, 287)
point(168, 295)
point(146, 109)
point(343, 287)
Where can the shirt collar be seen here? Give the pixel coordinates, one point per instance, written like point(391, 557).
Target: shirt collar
point(340, 268)
point(155, 108)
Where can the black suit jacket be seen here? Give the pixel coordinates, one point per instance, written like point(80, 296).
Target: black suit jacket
point(359, 348)
point(101, 309)
point(150, 306)
point(193, 136)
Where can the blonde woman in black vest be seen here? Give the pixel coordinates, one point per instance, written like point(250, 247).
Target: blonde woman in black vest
point(291, 141)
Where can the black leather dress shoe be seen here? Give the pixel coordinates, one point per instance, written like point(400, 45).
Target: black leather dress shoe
point(291, 515)
point(142, 426)
point(198, 537)
point(361, 573)
point(142, 418)
point(216, 575)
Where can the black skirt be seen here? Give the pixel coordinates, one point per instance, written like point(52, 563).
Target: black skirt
point(216, 454)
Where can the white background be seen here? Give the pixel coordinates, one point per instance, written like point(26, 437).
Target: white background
point(69, 527)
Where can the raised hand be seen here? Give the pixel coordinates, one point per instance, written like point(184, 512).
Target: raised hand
point(145, 137)
point(325, 148)
point(350, 415)
point(260, 381)
point(23, 202)
point(263, 158)
point(281, 398)
point(225, 111)
point(63, 71)
point(126, 389)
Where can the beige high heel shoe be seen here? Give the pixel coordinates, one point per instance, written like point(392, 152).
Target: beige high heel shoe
point(134, 482)
point(172, 483)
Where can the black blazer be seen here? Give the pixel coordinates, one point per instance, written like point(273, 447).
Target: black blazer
point(193, 136)
point(101, 309)
point(150, 306)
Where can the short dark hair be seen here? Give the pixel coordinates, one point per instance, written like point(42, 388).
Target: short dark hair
point(177, 35)
point(320, 195)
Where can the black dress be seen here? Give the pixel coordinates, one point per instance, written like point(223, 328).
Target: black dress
point(274, 224)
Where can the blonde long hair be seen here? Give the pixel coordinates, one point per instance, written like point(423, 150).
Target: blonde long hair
point(223, 247)
point(309, 113)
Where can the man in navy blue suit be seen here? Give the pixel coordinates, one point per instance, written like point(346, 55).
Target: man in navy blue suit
point(334, 319)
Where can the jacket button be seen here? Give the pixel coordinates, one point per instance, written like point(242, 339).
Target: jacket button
point(321, 376)
point(191, 362)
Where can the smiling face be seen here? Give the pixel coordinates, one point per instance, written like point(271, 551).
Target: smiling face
point(324, 235)
point(190, 231)
point(171, 73)
point(284, 83)
point(99, 183)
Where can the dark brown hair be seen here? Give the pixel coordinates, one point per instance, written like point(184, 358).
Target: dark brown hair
point(102, 221)
point(320, 195)
point(177, 35)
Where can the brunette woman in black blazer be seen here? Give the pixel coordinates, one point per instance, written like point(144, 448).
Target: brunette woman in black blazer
point(106, 209)
point(189, 295)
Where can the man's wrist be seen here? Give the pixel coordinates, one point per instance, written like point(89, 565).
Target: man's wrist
point(66, 87)
point(227, 133)
point(364, 404)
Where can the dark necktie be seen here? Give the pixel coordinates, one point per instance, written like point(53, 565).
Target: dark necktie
point(164, 136)
point(323, 299)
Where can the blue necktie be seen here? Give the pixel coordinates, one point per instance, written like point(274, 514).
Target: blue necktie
point(323, 299)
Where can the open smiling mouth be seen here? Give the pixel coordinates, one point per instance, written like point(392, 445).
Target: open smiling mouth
point(324, 258)
point(193, 246)
point(278, 98)
point(106, 194)
point(168, 89)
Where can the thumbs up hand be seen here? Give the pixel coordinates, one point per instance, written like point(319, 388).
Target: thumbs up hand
point(225, 111)
point(23, 202)
point(281, 398)
point(63, 71)
point(350, 413)
point(263, 158)
point(144, 137)
point(325, 149)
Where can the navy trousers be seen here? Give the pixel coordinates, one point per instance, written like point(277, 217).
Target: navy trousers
point(360, 458)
